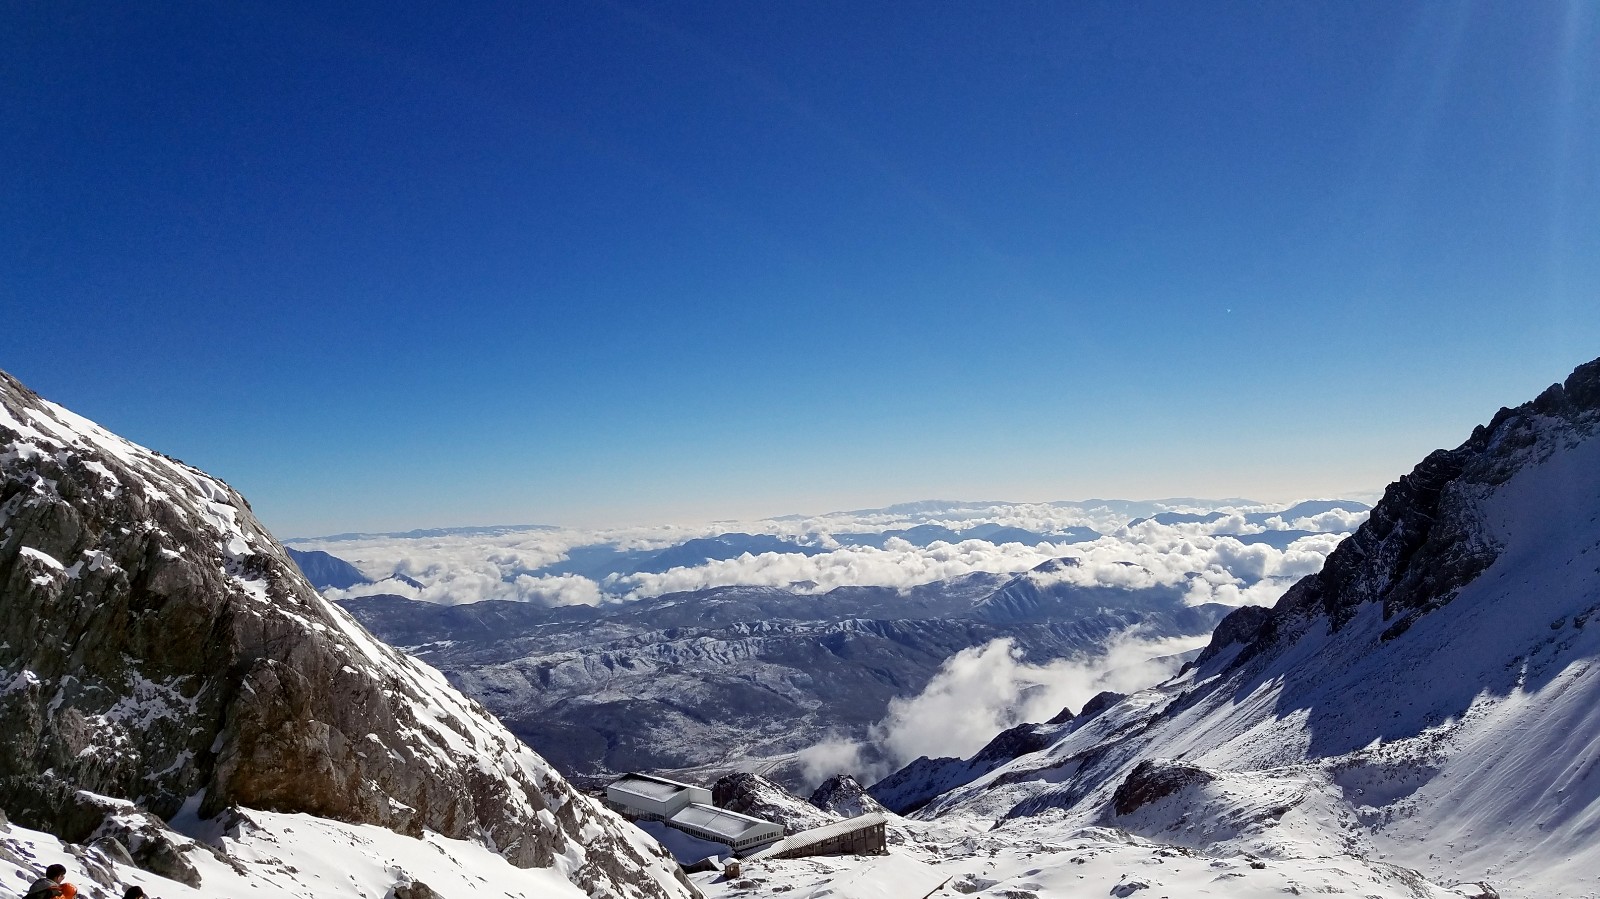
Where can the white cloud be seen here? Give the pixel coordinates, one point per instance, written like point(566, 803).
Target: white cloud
point(981, 691)
point(898, 564)
point(1331, 520)
point(1209, 566)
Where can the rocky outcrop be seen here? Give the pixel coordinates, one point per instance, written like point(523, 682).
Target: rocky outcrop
point(159, 647)
point(910, 788)
point(925, 779)
point(1154, 779)
point(754, 795)
point(841, 795)
point(1014, 742)
point(1240, 628)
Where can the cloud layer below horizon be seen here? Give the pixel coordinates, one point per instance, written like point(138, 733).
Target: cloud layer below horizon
point(1216, 559)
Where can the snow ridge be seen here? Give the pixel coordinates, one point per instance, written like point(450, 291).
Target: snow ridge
point(1430, 699)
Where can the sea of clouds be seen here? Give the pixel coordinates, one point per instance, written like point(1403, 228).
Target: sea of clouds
point(1208, 557)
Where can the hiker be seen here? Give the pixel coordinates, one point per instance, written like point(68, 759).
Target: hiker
point(48, 886)
point(134, 892)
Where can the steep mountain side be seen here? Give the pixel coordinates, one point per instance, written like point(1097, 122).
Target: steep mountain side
point(159, 647)
point(1429, 698)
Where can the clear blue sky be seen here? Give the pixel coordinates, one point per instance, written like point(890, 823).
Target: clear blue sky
point(387, 266)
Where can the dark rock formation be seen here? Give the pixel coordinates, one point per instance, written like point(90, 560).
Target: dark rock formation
point(843, 796)
point(922, 779)
point(158, 644)
point(1101, 701)
point(754, 795)
point(1155, 779)
point(1241, 627)
point(1014, 742)
point(415, 889)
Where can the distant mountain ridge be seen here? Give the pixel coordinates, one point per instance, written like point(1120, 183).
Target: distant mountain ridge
point(324, 570)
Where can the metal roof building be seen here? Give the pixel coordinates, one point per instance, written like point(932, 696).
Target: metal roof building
point(654, 798)
point(741, 833)
point(861, 835)
point(688, 808)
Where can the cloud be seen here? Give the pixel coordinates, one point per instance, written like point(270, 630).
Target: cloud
point(1198, 556)
point(898, 564)
point(981, 691)
point(559, 590)
point(1331, 520)
point(456, 569)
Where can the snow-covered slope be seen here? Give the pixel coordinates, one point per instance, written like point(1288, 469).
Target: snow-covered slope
point(158, 647)
point(1431, 698)
point(270, 853)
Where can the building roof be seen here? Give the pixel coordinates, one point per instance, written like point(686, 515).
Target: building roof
point(731, 825)
point(658, 789)
point(822, 834)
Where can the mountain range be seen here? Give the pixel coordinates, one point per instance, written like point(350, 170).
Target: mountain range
point(1415, 718)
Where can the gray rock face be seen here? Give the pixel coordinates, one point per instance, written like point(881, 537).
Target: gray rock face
point(160, 647)
point(754, 795)
point(925, 779)
point(843, 796)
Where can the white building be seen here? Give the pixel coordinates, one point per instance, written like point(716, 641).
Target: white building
point(741, 833)
point(654, 798)
point(688, 808)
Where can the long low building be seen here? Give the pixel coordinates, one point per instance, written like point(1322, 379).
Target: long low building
point(861, 835)
point(688, 808)
point(741, 833)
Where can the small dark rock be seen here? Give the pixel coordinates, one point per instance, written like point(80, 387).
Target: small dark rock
point(414, 889)
point(1101, 701)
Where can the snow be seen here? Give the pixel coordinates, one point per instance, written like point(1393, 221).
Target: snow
point(886, 877)
point(45, 558)
point(303, 857)
point(1041, 859)
point(686, 848)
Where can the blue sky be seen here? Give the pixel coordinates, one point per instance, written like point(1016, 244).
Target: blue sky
point(390, 266)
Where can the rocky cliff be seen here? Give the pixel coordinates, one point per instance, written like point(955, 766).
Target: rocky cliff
point(158, 646)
